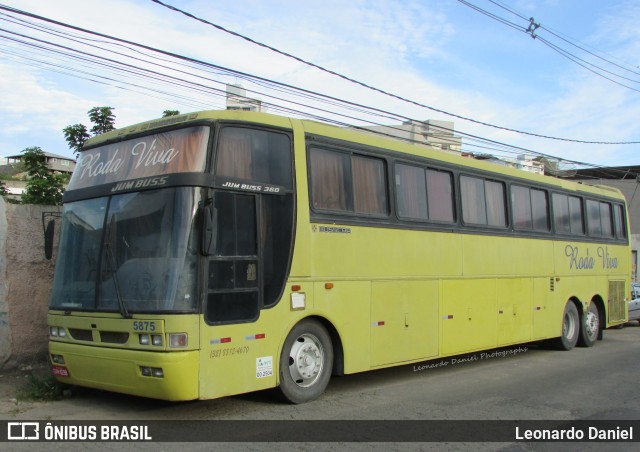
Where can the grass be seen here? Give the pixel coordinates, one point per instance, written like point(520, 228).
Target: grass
point(41, 388)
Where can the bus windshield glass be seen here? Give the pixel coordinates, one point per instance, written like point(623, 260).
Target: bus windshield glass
point(128, 253)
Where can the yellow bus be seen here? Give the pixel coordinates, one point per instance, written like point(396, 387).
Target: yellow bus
point(222, 252)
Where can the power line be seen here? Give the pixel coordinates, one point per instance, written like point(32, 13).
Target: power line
point(172, 62)
point(533, 26)
point(381, 91)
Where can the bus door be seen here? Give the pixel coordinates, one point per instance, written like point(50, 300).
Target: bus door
point(247, 240)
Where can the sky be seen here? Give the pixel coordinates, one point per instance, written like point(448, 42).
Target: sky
point(442, 54)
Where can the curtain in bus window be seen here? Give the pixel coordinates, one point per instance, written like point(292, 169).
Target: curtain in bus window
point(593, 218)
point(473, 200)
point(575, 214)
point(411, 192)
point(193, 140)
point(496, 211)
point(234, 154)
point(561, 213)
point(440, 195)
point(540, 210)
point(621, 230)
point(328, 189)
point(605, 217)
point(521, 203)
point(370, 194)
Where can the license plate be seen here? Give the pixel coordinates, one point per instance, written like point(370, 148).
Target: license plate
point(60, 371)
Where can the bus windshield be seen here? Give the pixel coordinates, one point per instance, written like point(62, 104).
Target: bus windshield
point(128, 253)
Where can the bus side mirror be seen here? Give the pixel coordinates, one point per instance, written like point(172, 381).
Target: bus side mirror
point(48, 239)
point(208, 229)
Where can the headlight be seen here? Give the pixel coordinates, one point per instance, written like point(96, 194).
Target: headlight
point(178, 340)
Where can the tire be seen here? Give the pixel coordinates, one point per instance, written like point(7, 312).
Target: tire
point(589, 326)
point(570, 328)
point(306, 361)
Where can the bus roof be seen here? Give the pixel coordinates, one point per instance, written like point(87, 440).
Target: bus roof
point(363, 137)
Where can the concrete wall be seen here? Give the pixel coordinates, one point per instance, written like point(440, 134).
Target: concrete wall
point(25, 282)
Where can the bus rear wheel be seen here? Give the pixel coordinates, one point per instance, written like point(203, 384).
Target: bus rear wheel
point(306, 361)
point(590, 326)
point(570, 328)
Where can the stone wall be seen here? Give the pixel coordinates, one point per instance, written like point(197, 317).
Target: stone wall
point(25, 282)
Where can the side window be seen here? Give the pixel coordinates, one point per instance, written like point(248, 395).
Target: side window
point(411, 192)
point(329, 171)
point(483, 201)
point(348, 183)
point(576, 215)
point(540, 210)
point(593, 218)
point(369, 185)
point(606, 218)
point(619, 220)
point(424, 194)
point(256, 155)
point(567, 214)
point(440, 195)
point(600, 218)
point(530, 208)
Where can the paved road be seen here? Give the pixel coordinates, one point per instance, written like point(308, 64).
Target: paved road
point(526, 382)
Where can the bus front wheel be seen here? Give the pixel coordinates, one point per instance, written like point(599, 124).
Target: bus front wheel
point(306, 361)
point(570, 328)
point(590, 326)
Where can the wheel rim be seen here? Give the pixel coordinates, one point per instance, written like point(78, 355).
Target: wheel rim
point(569, 325)
point(592, 323)
point(306, 360)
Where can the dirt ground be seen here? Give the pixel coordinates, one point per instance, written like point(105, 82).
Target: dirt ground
point(12, 381)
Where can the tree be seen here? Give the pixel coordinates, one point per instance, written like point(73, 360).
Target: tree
point(103, 121)
point(76, 135)
point(170, 113)
point(3, 189)
point(43, 187)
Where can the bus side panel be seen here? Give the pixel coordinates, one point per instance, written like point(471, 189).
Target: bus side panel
point(239, 358)
point(515, 315)
point(547, 319)
point(468, 315)
point(404, 321)
point(346, 305)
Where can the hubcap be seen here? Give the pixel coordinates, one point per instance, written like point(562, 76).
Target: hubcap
point(591, 324)
point(569, 326)
point(306, 360)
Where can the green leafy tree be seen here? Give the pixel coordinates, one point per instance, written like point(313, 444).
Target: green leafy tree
point(3, 189)
point(76, 135)
point(103, 120)
point(170, 113)
point(43, 187)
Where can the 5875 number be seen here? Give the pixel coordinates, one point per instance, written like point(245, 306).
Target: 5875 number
point(144, 325)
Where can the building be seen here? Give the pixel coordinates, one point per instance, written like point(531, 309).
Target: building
point(55, 162)
point(432, 133)
point(237, 100)
point(627, 180)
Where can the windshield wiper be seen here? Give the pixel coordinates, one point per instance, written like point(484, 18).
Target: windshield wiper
point(111, 268)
